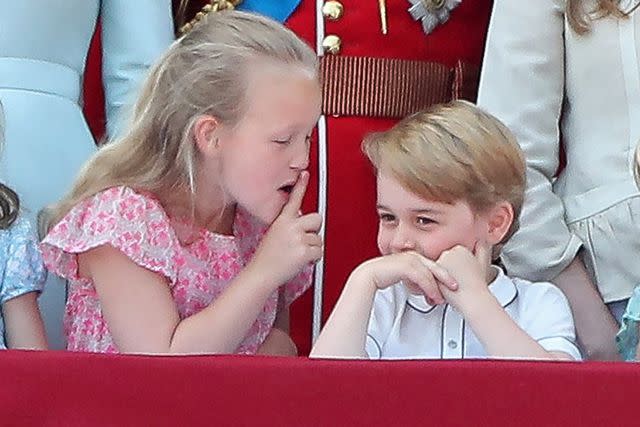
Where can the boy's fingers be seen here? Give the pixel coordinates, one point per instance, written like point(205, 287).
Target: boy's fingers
point(429, 287)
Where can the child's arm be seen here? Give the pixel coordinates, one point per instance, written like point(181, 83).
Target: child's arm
point(24, 328)
point(499, 335)
point(595, 326)
point(142, 315)
point(344, 335)
point(278, 342)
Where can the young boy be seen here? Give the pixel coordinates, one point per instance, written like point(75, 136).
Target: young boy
point(450, 188)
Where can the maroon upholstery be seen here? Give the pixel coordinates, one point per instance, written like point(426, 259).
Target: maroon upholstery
point(60, 388)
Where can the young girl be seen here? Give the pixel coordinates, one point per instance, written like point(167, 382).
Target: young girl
point(450, 185)
point(22, 275)
point(163, 237)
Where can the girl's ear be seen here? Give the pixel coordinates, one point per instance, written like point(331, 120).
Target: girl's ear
point(205, 134)
point(499, 220)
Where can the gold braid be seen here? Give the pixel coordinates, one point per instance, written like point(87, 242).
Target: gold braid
point(213, 6)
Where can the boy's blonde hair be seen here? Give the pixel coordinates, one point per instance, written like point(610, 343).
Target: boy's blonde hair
point(202, 73)
point(453, 152)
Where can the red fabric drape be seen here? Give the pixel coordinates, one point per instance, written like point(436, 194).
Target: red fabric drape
point(59, 388)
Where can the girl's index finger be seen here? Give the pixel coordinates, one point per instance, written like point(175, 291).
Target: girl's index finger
point(294, 204)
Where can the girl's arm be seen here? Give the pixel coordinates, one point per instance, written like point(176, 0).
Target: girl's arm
point(278, 342)
point(24, 328)
point(142, 315)
point(143, 318)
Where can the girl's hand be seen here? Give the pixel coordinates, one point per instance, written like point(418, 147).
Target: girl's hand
point(278, 343)
point(292, 241)
point(418, 273)
point(470, 270)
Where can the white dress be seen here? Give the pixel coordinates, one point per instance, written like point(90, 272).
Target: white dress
point(543, 80)
point(43, 49)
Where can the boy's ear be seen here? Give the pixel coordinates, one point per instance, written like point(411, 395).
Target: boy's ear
point(205, 134)
point(499, 220)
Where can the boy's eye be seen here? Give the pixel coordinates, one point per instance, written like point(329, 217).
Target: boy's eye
point(385, 217)
point(421, 220)
point(282, 140)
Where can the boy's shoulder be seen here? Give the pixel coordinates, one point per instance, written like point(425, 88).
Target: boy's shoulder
point(537, 293)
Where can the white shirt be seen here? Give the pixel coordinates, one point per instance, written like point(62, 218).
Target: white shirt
point(404, 326)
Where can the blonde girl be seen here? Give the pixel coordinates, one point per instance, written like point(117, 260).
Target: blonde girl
point(184, 235)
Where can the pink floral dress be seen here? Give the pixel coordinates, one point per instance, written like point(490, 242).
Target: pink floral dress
point(197, 263)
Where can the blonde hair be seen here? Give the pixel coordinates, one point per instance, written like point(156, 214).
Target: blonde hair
point(453, 152)
point(578, 16)
point(202, 73)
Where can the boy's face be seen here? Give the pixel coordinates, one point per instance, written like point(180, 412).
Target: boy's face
point(409, 222)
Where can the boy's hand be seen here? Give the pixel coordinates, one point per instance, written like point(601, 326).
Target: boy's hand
point(292, 240)
point(417, 272)
point(470, 271)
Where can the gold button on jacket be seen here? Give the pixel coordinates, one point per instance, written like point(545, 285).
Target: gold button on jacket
point(332, 44)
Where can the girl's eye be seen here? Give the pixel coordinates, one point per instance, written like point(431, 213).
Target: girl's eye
point(421, 220)
point(282, 141)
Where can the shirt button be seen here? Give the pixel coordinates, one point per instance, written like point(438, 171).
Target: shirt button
point(452, 344)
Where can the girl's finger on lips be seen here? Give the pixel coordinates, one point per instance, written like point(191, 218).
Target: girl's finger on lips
point(293, 205)
point(314, 253)
point(312, 239)
point(310, 222)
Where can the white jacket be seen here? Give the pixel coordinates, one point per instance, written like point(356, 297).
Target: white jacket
point(543, 80)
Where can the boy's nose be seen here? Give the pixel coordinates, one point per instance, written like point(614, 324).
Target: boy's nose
point(402, 241)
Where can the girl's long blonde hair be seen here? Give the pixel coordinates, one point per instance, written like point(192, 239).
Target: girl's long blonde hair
point(579, 17)
point(202, 73)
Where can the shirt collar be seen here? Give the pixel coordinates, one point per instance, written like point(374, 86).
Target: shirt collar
point(502, 288)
